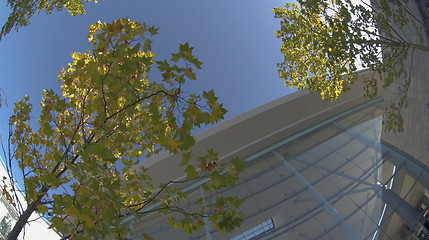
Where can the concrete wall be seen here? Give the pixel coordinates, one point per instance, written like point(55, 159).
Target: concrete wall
point(415, 138)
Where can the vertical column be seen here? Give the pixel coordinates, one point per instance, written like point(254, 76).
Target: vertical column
point(409, 166)
point(405, 211)
point(330, 210)
point(207, 224)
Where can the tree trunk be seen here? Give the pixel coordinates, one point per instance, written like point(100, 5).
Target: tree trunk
point(23, 219)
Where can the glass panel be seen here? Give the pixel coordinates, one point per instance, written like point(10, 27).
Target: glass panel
point(255, 231)
point(344, 163)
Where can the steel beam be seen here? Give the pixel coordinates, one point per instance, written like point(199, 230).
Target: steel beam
point(330, 210)
point(207, 224)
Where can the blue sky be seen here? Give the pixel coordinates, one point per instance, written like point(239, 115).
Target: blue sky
point(234, 39)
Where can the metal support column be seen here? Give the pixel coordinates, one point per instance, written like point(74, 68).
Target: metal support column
point(207, 224)
point(405, 211)
point(409, 166)
point(330, 210)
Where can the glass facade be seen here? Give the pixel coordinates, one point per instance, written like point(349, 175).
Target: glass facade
point(334, 180)
point(255, 231)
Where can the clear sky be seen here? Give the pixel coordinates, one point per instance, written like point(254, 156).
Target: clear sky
point(234, 39)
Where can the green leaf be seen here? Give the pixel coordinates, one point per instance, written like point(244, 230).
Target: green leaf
point(72, 211)
point(199, 201)
point(191, 172)
point(146, 237)
point(171, 221)
point(238, 164)
point(197, 63)
point(176, 57)
point(42, 209)
point(147, 45)
point(88, 220)
point(185, 158)
point(185, 47)
point(153, 30)
point(162, 66)
point(56, 223)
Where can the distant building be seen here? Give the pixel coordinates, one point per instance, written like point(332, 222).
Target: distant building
point(36, 229)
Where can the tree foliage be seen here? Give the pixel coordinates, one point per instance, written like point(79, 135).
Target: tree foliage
point(325, 41)
point(81, 166)
point(23, 10)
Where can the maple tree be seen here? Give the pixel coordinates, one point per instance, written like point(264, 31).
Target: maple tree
point(80, 167)
point(23, 10)
point(325, 41)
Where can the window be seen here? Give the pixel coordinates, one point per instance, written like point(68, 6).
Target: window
point(255, 231)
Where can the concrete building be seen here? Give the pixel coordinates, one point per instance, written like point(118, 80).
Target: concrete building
point(36, 228)
point(314, 170)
